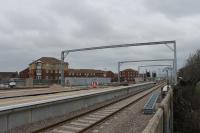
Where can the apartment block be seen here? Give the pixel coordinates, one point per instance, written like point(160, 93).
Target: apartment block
point(89, 73)
point(44, 68)
point(129, 75)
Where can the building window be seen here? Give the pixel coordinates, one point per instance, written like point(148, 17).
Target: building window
point(38, 77)
point(47, 77)
point(38, 71)
point(56, 71)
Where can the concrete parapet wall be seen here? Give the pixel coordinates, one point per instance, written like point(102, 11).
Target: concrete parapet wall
point(19, 118)
point(156, 123)
point(162, 121)
point(75, 81)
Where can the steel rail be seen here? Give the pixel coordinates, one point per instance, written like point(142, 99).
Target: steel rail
point(105, 106)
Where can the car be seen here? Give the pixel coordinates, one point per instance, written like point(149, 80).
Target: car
point(12, 84)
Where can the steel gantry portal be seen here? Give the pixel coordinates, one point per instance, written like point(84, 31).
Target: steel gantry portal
point(133, 61)
point(66, 52)
point(161, 65)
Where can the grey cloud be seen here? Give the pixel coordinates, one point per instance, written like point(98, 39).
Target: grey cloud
point(91, 22)
point(27, 22)
point(44, 29)
point(174, 8)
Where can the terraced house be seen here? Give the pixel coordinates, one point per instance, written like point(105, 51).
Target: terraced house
point(44, 68)
point(129, 75)
point(89, 73)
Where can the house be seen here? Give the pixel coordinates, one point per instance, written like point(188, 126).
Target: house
point(48, 68)
point(24, 73)
point(44, 68)
point(128, 75)
point(89, 73)
point(88, 76)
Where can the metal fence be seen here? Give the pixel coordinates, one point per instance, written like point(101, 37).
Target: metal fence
point(22, 83)
point(45, 82)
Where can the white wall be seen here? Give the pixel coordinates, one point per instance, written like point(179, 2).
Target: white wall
point(86, 80)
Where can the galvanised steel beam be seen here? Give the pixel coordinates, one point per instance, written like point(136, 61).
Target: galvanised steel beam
point(163, 65)
point(133, 61)
point(153, 66)
point(66, 52)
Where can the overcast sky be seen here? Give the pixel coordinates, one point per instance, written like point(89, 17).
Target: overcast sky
point(30, 29)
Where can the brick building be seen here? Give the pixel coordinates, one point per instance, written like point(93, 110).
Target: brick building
point(8, 75)
point(48, 68)
point(89, 73)
point(44, 68)
point(128, 75)
point(24, 73)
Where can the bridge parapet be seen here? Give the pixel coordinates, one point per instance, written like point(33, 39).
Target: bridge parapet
point(162, 121)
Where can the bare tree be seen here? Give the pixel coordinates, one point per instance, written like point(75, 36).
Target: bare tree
point(191, 71)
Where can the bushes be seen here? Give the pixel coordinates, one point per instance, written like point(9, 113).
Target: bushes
point(191, 71)
point(187, 97)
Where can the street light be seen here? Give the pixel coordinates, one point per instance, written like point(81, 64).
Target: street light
point(66, 52)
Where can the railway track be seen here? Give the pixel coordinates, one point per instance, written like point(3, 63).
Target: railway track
point(87, 120)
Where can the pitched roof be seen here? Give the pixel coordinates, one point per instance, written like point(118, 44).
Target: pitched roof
point(129, 69)
point(49, 60)
point(26, 69)
point(85, 71)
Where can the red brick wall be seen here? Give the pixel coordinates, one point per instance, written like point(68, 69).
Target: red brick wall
point(129, 75)
point(24, 73)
